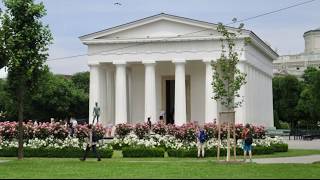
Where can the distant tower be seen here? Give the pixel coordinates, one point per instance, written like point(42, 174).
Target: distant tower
point(312, 41)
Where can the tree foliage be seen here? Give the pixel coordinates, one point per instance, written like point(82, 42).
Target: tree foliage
point(81, 80)
point(286, 92)
point(24, 44)
point(227, 78)
point(57, 97)
point(297, 102)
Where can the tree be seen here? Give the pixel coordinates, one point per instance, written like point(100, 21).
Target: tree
point(227, 78)
point(81, 81)
point(24, 43)
point(306, 107)
point(276, 91)
point(286, 92)
point(309, 74)
point(58, 97)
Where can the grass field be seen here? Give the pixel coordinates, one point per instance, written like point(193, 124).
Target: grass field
point(290, 153)
point(155, 168)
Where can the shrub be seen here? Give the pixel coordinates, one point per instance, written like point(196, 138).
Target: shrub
point(141, 130)
point(280, 147)
point(189, 132)
point(259, 150)
point(53, 152)
point(8, 130)
point(42, 131)
point(59, 131)
point(211, 130)
point(223, 152)
point(28, 130)
point(159, 128)
point(100, 130)
point(142, 152)
point(122, 130)
point(81, 131)
point(193, 152)
point(284, 125)
point(258, 132)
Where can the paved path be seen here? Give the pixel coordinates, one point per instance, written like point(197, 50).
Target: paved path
point(303, 144)
point(295, 160)
point(4, 161)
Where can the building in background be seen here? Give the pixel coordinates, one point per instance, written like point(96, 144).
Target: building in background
point(3, 73)
point(296, 64)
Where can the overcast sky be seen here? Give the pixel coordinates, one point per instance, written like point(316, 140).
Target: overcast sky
point(69, 19)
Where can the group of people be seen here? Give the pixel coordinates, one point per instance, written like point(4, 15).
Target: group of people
point(92, 139)
point(246, 136)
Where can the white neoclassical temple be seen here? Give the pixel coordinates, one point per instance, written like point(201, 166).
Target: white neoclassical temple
point(162, 64)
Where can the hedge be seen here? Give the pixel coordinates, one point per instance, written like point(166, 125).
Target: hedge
point(142, 152)
point(54, 152)
point(182, 152)
point(280, 147)
point(257, 150)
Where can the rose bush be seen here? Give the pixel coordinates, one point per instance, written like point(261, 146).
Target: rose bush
point(141, 130)
point(123, 130)
point(159, 128)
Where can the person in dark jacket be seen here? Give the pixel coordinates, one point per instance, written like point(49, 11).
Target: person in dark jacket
point(91, 143)
point(247, 142)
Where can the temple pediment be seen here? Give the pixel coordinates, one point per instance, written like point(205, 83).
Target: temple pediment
point(158, 26)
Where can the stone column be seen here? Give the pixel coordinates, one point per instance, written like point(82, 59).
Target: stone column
point(120, 93)
point(211, 109)
point(180, 93)
point(94, 92)
point(150, 109)
point(241, 111)
point(102, 101)
point(110, 95)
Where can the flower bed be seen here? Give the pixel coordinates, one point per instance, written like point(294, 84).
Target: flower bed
point(48, 140)
point(51, 147)
point(9, 130)
point(53, 140)
point(186, 132)
point(178, 148)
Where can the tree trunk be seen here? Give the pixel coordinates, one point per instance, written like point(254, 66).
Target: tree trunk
point(228, 143)
point(20, 117)
point(219, 138)
point(234, 142)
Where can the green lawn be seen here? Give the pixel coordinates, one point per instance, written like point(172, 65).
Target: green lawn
point(155, 168)
point(150, 168)
point(290, 153)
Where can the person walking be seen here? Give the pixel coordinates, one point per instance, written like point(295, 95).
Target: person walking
point(92, 143)
point(247, 142)
point(201, 139)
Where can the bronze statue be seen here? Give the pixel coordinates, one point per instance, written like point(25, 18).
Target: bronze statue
point(96, 113)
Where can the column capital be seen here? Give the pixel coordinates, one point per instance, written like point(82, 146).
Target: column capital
point(149, 62)
point(206, 60)
point(179, 61)
point(94, 65)
point(119, 62)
